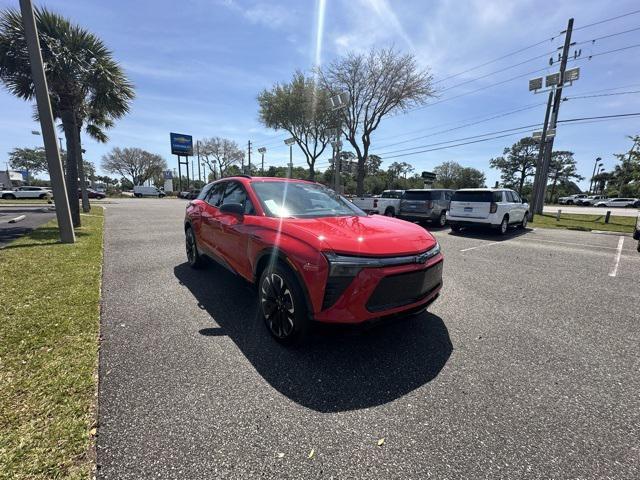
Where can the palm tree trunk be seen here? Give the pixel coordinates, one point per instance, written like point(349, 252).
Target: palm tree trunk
point(86, 207)
point(73, 144)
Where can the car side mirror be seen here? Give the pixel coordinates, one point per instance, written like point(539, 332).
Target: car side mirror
point(232, 209)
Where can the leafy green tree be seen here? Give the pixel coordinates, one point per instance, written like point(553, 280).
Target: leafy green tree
point(301, 108)
point(562, 169)
point(455, 176)
point(517, 163)
point(223, 153)
point(33, 160)
point(88, 88)
point(133, 163)
point(626, 175)
point(379, 83)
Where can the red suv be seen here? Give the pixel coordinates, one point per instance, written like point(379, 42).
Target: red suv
point(313, 254)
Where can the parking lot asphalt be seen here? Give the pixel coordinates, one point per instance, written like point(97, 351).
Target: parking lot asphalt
point(34, 217)
point(525, 367)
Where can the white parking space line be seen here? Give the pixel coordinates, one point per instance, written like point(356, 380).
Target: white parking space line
point(573, 243)
point(480, 246)
point(614, 271)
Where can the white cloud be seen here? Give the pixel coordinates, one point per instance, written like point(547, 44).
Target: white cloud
point(262, 13)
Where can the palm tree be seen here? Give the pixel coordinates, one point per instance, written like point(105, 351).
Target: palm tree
point(87, 86)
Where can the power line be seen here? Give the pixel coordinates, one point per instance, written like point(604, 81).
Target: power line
point(607, 20)
point(485, 119)
point(496, 59)
point(593, 40)
point(600, 95)
point(589, 57)
point(620, 115)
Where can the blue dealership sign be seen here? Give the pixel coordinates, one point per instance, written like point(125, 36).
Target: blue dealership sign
point(168, 174)
point(181, 144)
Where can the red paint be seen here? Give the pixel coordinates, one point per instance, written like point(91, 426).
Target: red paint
point(240, 241)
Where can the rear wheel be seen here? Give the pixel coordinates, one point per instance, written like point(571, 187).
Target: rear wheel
point(9, 196)
point(137, 195)
point(525, 220)
point(390, 212)
point(442, 220)
point(193, 255)
point(504, 225)
point(281, 304)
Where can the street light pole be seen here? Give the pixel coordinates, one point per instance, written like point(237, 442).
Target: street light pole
point(63, 210)
point(595, 165)
point(290, 142)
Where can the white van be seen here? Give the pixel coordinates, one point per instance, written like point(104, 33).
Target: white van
point(143, 191)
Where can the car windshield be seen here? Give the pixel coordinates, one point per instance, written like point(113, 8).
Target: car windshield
point(302, 200)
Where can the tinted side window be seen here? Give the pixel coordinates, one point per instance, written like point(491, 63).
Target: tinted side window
point(215, 194)
point(509, 197)
point(497, 197)
point(235, 193)
point(516, 197)
point(204, 192)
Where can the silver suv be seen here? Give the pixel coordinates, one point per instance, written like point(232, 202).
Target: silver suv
point(426, 205)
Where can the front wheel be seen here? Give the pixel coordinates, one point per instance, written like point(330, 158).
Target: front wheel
point(525, 220)
point(390, 212)
point(281, 303)
point(442, 220)
point(9, 196)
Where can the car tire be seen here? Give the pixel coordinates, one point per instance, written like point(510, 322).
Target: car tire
point(442, 219)
point(456, 228)
point(282, 306)
point(504, 225)
point(43, 196)
point(569, 202)
point(390, 212)
point(8, 196)
point(525, 220)
point(137, 195)
point(194, 258)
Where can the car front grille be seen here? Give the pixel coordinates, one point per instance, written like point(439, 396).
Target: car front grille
point(405, 288)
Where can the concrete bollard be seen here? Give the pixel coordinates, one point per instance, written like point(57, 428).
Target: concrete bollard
point(558, 215)
point(606, 218)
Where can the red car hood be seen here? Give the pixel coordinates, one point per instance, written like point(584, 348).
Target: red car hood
point(374, 235)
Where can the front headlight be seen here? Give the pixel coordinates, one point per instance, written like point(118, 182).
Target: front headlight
point(346, 266)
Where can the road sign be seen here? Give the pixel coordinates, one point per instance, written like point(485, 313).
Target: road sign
point(572, 74)
point(552, 80)
point(535, 84)
point(429, 176)
point(168, 174)
point(181, 144)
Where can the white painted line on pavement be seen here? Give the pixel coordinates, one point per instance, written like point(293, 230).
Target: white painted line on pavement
point(614, 271)
point(572, 243)
point(480, 246)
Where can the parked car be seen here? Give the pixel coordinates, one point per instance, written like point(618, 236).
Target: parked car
point(387, 204)
point(315, 256)
point(144, 191)
point(617, 202)
point(572, 199)
point(636, 231)
point(590, 200)
point(189, 194)
point(426, 205)
point(92, 194)
point(487, 207)
point(26, 192)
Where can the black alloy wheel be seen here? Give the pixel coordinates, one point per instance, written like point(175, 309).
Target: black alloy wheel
point(193, 256)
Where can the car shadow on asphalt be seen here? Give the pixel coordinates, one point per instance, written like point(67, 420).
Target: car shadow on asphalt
point(490, 234)
point(337, 369)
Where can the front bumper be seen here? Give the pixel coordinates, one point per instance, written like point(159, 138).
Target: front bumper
point(364, 299)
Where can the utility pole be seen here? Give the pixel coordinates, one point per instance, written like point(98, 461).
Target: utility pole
point(337, 163)
point(63, 210)
point(249, 155)
point(262, 151)
point(554, 118)
point(198, 154)
point(556, 81)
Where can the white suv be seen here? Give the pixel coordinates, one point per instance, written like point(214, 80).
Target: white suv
point(487, 207)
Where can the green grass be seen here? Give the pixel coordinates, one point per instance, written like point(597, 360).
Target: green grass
point(576, 221)
point(49, 321)
point(24, 201)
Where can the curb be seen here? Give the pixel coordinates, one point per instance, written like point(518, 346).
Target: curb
point(17, 219)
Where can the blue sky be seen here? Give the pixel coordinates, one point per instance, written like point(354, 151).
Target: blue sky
point(198, 66)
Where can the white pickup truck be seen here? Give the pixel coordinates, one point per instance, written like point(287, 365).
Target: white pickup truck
point(386, 204)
